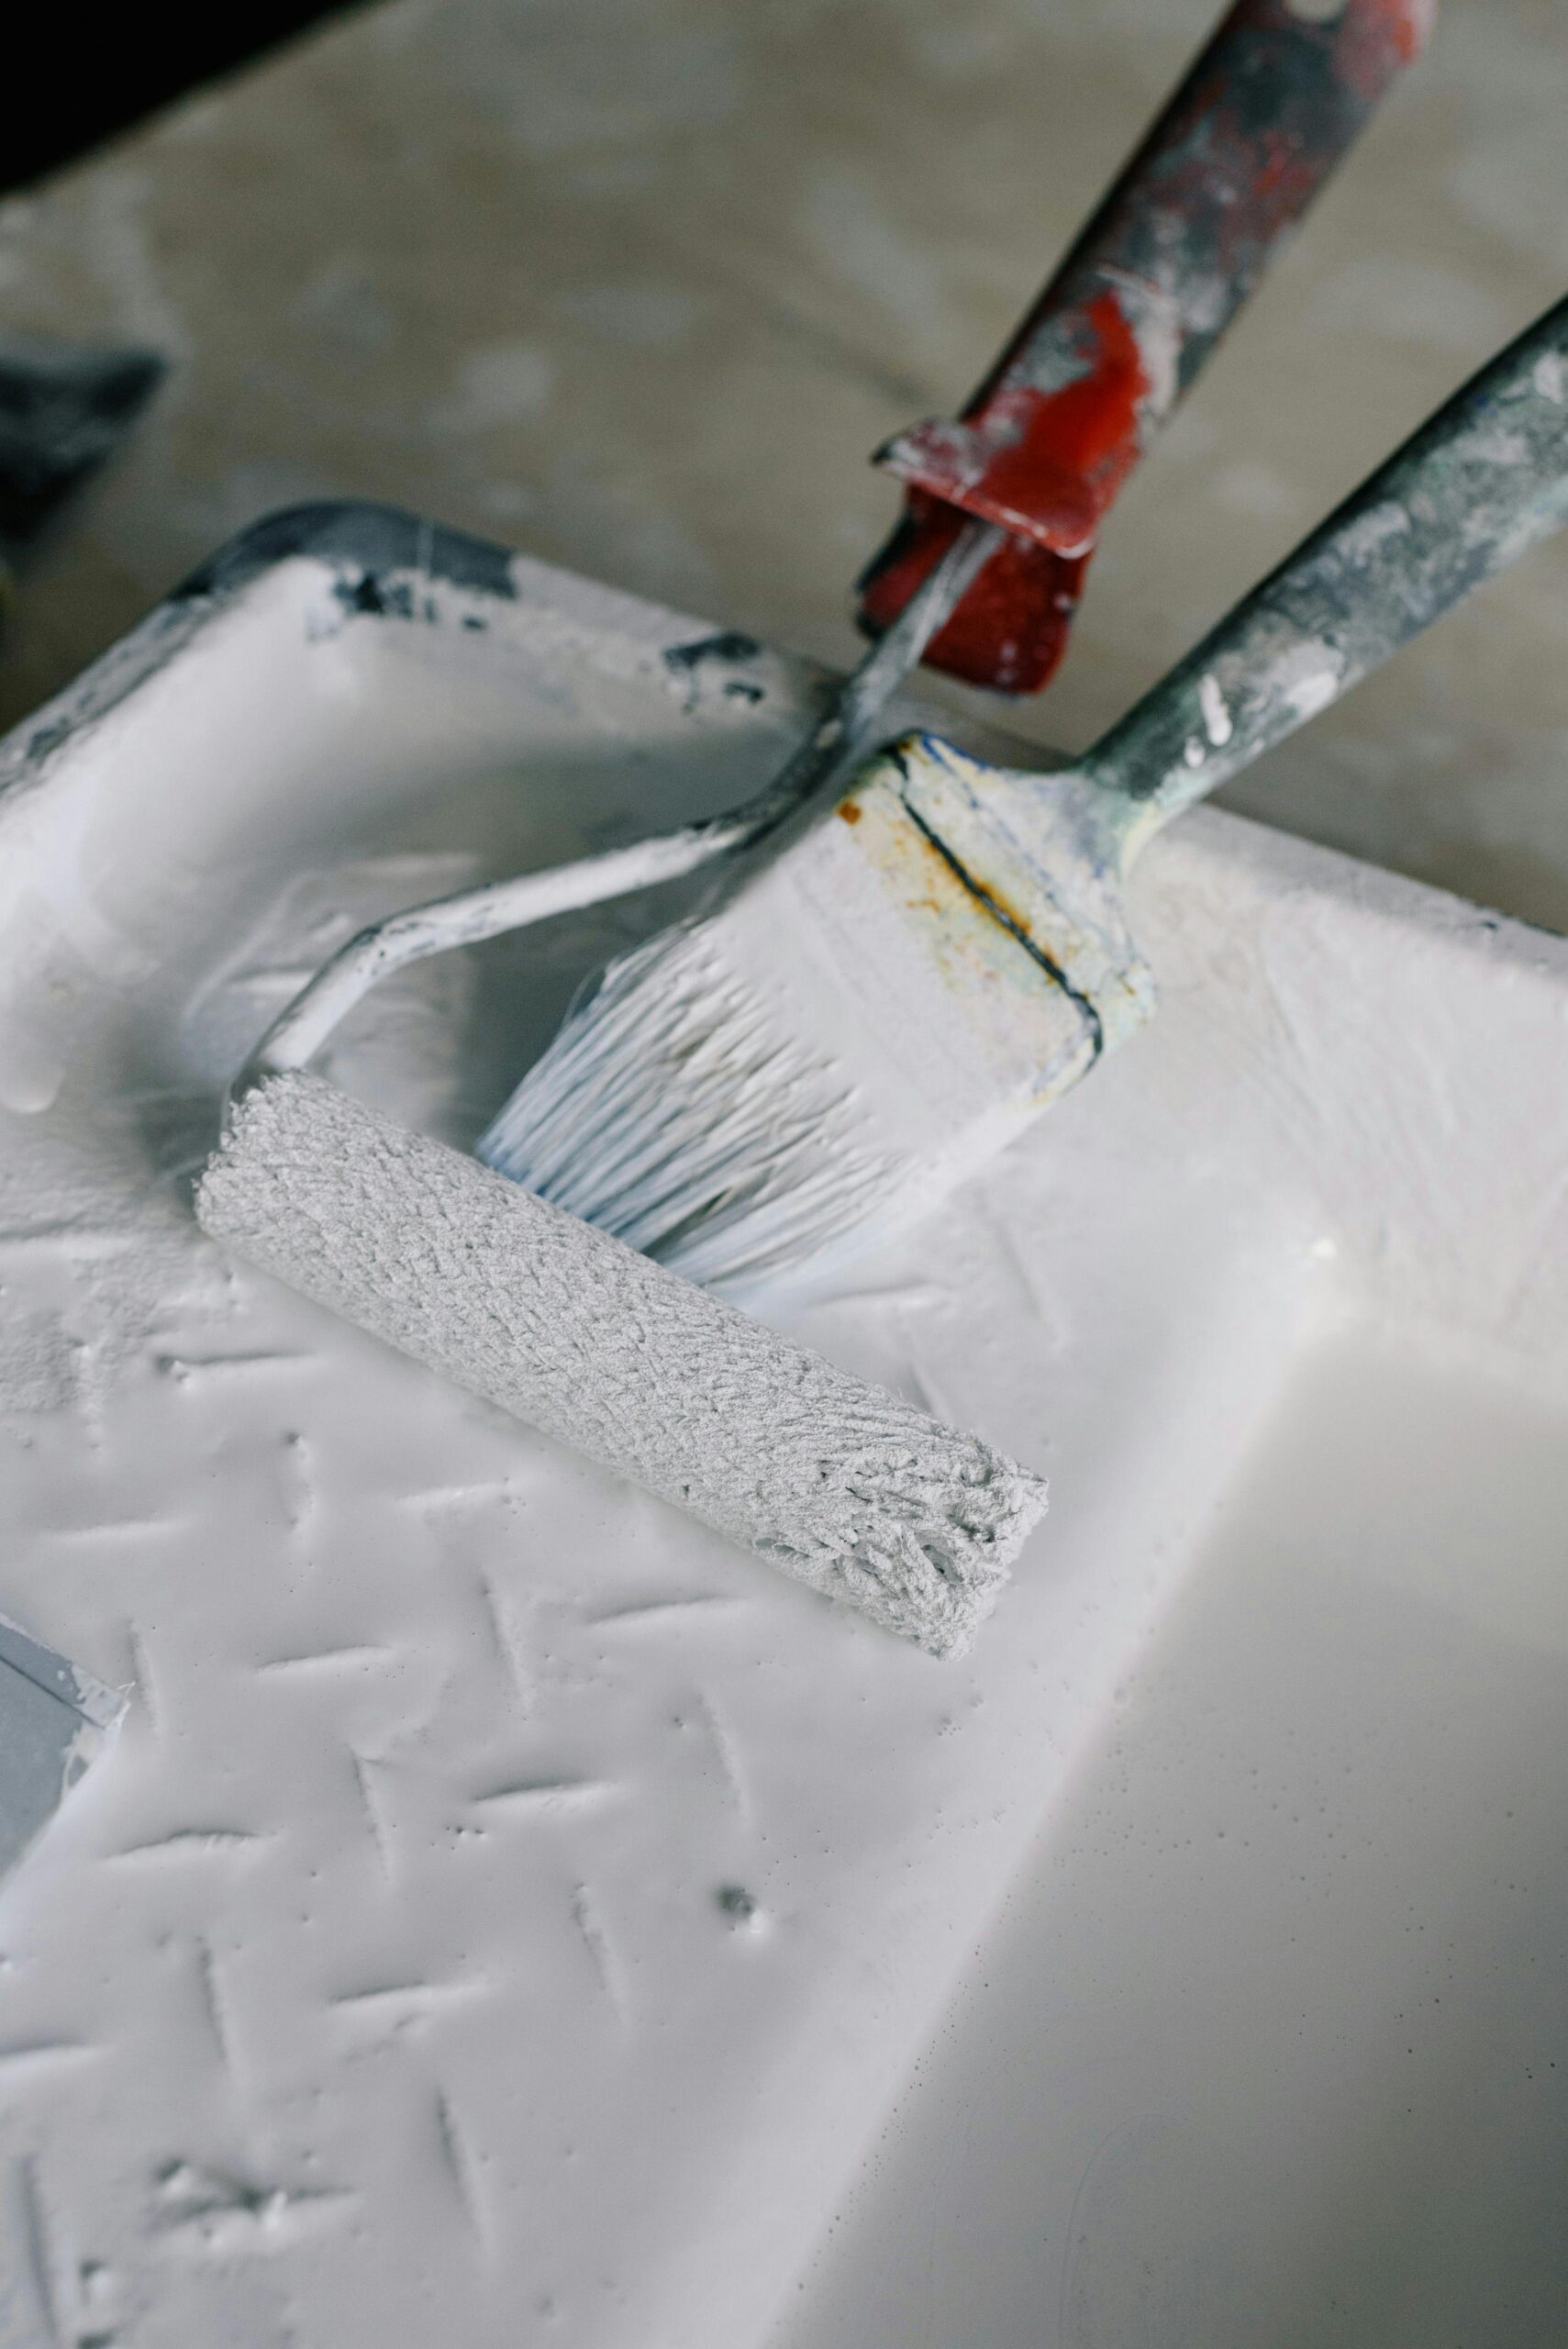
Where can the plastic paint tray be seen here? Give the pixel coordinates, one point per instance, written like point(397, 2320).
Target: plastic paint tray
point(509, 1913)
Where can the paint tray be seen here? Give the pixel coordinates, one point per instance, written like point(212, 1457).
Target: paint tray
point(513, 1913)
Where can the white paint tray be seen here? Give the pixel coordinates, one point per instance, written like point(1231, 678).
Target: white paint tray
point(512, 1915)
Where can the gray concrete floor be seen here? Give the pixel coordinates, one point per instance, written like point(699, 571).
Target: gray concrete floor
point(637, 285)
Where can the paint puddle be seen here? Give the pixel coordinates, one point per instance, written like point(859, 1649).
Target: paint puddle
point(1270, 2043)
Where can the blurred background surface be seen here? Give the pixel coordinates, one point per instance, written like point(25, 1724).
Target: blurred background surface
point(637, 285)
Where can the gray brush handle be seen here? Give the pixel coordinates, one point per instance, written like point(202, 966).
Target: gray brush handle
point(1482, 481)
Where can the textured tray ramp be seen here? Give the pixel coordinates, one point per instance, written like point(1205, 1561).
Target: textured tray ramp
point(836, 1481)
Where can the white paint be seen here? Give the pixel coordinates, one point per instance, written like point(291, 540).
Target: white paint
point(1216, 715)
point(1160, 320)
point(1364, 539)
point(1309, 681)
point(390, 1980)
point(1267, 2044)
point(1551, 377)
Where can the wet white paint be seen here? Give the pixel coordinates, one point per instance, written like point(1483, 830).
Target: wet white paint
point(1269, 2041)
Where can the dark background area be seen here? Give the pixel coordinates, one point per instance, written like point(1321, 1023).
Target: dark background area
point(87, 77)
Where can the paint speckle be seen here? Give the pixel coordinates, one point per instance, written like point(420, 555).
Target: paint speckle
point(739, 1908)
point(1551, 377)
point(1216, 715)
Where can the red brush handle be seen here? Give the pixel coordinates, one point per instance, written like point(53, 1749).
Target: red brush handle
point(1253, 132)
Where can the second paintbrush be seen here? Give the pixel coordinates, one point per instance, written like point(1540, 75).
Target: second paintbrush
point(878, 1009)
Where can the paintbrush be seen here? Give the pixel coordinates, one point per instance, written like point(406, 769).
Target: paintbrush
point(879, 1008)
point(875, 1013)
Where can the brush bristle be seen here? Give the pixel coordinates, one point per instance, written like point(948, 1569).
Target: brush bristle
point(671, 1111)
point(842, 1485)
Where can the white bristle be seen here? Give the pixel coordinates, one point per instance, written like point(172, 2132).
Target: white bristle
point(845, 1486)
point(672, 1111)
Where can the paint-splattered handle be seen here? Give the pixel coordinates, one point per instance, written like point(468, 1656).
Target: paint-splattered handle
point(1255, 130)
point(1485, 479)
